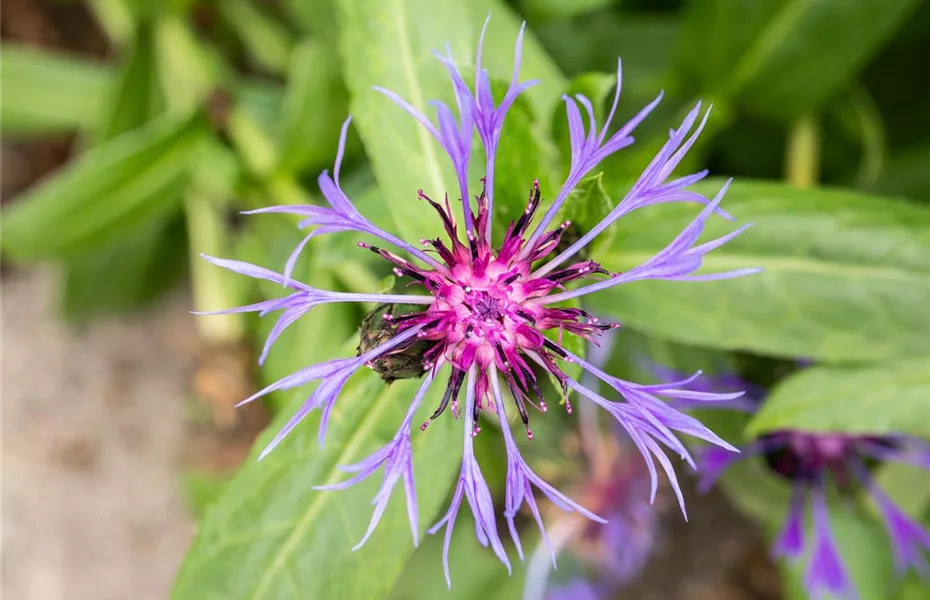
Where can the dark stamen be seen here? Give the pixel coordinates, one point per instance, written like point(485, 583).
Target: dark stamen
point(446, 217)
point(510, 279)
point(535, 385)
point(521, 406)
point(550, 241)
point(551, 346)
point(521, 312)
point(527, 217)
point(452, 392)
point(502, 355)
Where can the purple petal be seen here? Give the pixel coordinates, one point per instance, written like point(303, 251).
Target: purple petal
point(790, 542)
point(397, 459)
point(255, 271)
point(826, 572)
point(473, 486)
point(284, 321)
point(909, 539)
point(713, 462)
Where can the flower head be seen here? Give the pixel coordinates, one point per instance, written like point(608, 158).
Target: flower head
point(811, 461)
point(485, 310)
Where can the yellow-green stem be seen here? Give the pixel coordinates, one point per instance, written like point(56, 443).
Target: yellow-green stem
point(213, 287)
point(802, 155)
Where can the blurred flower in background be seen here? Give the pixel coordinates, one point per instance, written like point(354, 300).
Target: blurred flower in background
point(819, 466)
point(613, 554)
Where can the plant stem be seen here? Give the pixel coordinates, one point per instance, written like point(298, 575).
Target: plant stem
point(212, 287)
point(802, 155)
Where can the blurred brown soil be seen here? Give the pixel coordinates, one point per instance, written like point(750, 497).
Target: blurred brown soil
point(92, 425)
point(715, 555)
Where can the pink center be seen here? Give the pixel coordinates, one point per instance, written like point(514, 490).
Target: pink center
point(486, 307)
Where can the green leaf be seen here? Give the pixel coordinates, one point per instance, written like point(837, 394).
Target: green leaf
point(475, 571)
point(187, 68)
point(907, 485)
point(784, 57)
point(313, 109)
point(524, 153)
point(115, 18)
point(202, 488)
point(906, 174)
point(252, 141)
point(136, 98)
point(272, 536)
point(587, 205)
point(645, 42)
point(913, 588)
point(266, 39)
point(143, 261)
point(126, 273)
point(262, 101)
point(555, 10)
point(891, 398)
point(132, 179)
point(845, 275)
point(313, 16)
point(46, 93)
point(389, 44)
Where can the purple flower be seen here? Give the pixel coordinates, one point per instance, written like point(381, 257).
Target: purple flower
point(484, 309)
point(619, 550)
point(809, 461)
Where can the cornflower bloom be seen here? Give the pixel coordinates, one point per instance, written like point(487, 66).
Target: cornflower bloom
point(484, 308)
point(810, 461)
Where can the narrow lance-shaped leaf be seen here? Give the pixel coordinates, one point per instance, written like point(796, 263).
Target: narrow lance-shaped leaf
point(129, 180)
point(188, 69)
point(266, 39)
point(136, 98)
point(45, 92)
point(845, 276)
point(108, 277)
point(126, 273)
point(313, 108)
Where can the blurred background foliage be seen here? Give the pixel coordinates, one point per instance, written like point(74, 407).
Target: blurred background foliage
point(192, 111)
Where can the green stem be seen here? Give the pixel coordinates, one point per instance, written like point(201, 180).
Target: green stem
point(873, 138)
point(212, 287)
point(115, 18)
point(254, 146)
point(802, 155)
